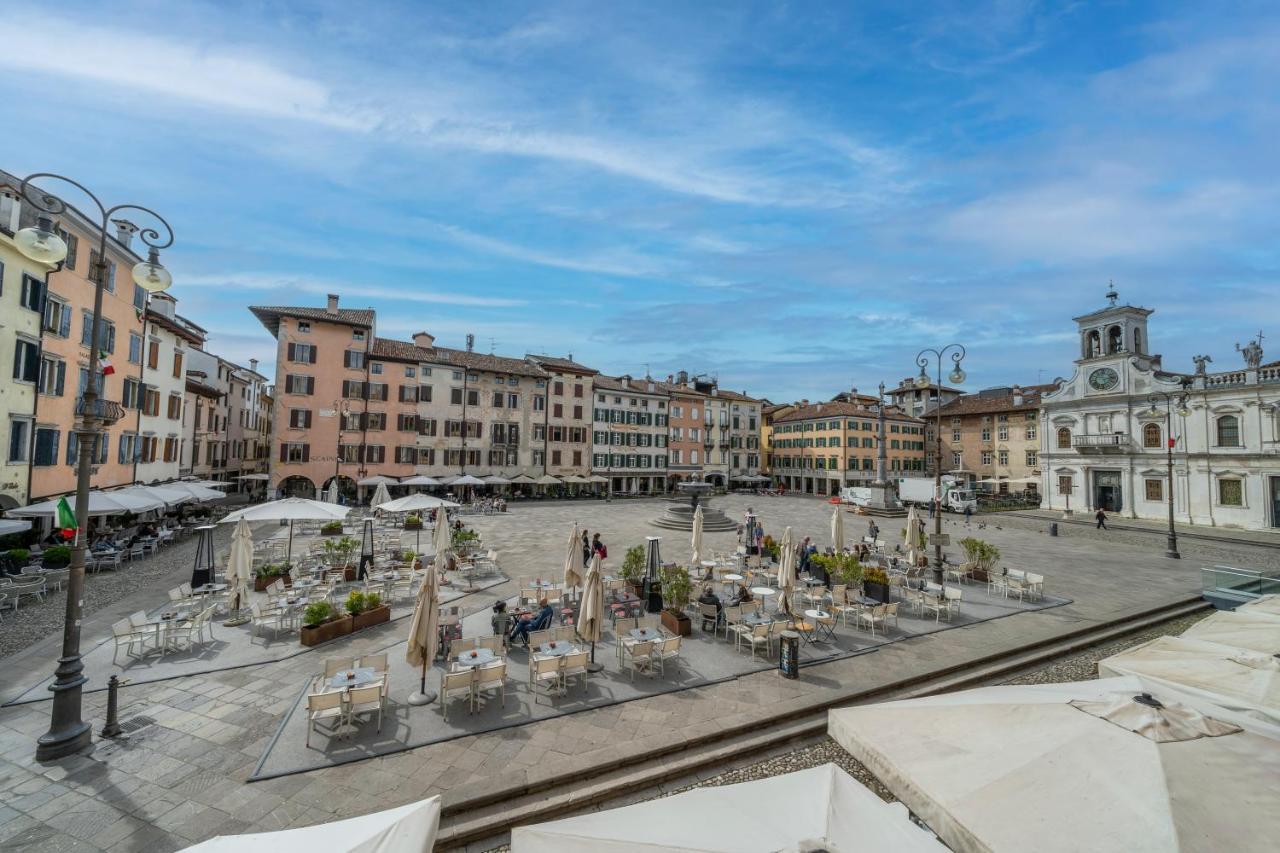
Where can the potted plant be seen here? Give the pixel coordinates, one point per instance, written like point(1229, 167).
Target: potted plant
point(464, 539)
point(980, 557)
point(632, 570)
point(56, 556)
point(268, 574)
point(15, 559)
point(843, 568)
point(413, 522)
point(331, 528)
point(677, 590)
point(875, 584)
point(372, 611)
point(771, 548)
point(337, 555)
point(320, 624)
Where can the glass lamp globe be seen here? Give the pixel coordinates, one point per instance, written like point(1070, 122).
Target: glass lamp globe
point(1183, 411)
point(957, 376)
point(41, 243)
point(922, 381)
point(151, 275)
point(1153, 412)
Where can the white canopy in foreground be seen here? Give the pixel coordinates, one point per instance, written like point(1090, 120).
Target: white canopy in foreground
point(288, 509)
point(377, 480)
point(1257, 631)
point(1237, 679)
point(196, 490)
point(1057, 767)
point(1265, 604)
point(820, 808)
point(407, 829)
point(165, 494)
point(12, 525)
point(414, 503)
point(100, 503)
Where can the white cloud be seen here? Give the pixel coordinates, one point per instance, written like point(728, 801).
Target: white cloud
point(306, 284)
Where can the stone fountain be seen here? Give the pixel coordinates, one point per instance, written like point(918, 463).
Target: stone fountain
point(679, 515)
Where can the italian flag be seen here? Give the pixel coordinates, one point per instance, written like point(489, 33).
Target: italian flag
point(107, 369)
point(66, 519)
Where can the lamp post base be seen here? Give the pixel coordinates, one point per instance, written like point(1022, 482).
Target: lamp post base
point(595, 667)
point(426, 698)
point(59, 744)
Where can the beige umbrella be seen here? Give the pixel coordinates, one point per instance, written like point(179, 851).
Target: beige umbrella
point(1262, 604)
point(786, 570)
point(696, 541)
point(591, 613)
point(239, 567)
point(424, 632)
point(442, 540)
point(911, 540)
point(1256, 631)
point(380, 495)
point(837, 529)
point(573, 560)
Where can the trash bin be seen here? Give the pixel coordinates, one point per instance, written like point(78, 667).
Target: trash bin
point(789, 654)
point(1053, 529)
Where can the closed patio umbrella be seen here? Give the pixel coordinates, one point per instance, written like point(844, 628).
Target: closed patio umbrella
point(239, 568)
point(380, 495)
point(837, 529)
point(573, 560)
point(786, 570)
point(695, 541)
point(442, 541)
point(591, 613)
point(424, 632)
point(332, 495)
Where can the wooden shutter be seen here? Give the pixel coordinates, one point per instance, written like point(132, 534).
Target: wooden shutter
point(153, 354)
point(284, 452)
point(311, 384)
point(291, 351)
point(311, 354)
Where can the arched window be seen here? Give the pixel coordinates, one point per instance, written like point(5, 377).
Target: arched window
point(1137, 340)
point(1064, 438)
point(1151, 435)
point(1228, 431)
point(1115, 340)
point(1092, 344)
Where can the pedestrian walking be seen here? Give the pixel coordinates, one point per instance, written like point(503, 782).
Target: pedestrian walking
point(1101, 517)
point(586, 548)
point(968, 513)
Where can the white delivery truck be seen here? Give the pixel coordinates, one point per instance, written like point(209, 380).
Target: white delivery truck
point(920, 491)
point(855, 495)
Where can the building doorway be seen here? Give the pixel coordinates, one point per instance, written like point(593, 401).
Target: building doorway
point(1107, 492)
point(1275, 501)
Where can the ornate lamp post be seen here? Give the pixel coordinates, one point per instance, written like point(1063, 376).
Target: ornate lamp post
point(1170, 398)
point(68, 733)
point(924, 358)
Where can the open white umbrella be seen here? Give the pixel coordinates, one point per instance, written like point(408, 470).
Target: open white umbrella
point(1256, 631)
point(290, 510)
point(424, 631)
point(548, 480)
point(1238, 679)
point(1085, 765)
point(414, 503)
point(208, 484)
point(380, 495)
point(420, 480)
point(786, 570)
point(695, 541)
point(377, 480)
point(170, 497)
point(496, 480)
point(573, 560)
point(9, 526)
point(596, 478)
point(404, 828)
point(522, 480)
point(100, 503)
point(200, 492)
point(591, 612)
point(467, 480)
point(576, 479)
point(837, 529)
point(239, 568)
point(821, 808)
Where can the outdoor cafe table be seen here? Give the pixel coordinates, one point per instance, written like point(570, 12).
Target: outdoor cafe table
point(761, 593)
point(730, 579)
point(558, 650)
point(307, 583)
point(645, 634)
point(163, 621)
point(823, 625)
point(473, 658)
point(360, 676)
point(754, 619)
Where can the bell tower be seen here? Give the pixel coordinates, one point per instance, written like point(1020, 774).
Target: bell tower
point(1116, 330)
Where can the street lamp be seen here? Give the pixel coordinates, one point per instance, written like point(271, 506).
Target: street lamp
point(68, 733)
point(923, 358)
point(1170, 398)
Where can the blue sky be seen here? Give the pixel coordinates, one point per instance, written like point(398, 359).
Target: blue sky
point(796, 197)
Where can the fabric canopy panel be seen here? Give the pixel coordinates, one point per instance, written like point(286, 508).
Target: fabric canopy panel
point(1254, 630)
point(171, 497)
point(466, 480)
point(1023, 768)
point(496, 480)
point(1265, 604)
point(522, 480)
point(100, 503)
point(421, 480)
point(407, 829)
point(820, 808)
point(1238, 679)
point(547, 480)
point(197, 491)
point(11, 525)
point(414, 503)
point(288, 509)
point(377, 480)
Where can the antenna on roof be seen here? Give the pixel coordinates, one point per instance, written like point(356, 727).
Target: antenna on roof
point(471, 342)
point(492, 345)
point(1112, 296)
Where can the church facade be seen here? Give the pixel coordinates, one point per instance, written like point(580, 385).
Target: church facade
point(1106, 432)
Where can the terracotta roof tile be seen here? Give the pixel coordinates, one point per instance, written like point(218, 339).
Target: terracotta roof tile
point(977, 404)
point(557, 363)
point(410, 352)
point(270, 316)
point(817, 411)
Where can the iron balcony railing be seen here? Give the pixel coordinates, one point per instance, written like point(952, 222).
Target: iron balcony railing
point(1103, 441)
point(107, 411)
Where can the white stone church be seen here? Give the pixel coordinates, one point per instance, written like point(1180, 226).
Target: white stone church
point(1102, 445)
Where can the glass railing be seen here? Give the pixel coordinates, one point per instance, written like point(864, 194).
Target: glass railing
point(1237, 584)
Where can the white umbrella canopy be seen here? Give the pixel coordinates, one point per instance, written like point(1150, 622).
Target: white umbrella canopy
point(1263, 604)
point(466, 480)
point(596, 478)
point(576, 479)
point(420, 480)
point(822, 808)
point(196, 490)
point(1257, 631)
point(837, 529)
point(239, 564)
point(208, 484)
point(573, 560)
point(9, 526)
point(377, 480)
point(287, 509)
point(414, 503)
point(380, 495)
point(399, 830)
point(522, 480)
point(496, 480)
point(170, 497)
point(547, 480)
point(1058, 767)
point(1237, 679)
point(786, 569)
point(695, 541)
point(100, 503)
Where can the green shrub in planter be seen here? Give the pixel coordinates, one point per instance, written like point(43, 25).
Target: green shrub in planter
point(20, 556)
point(317, 613)
point(677, 588)
point(331, 528)
point(632, 563)
point(56, 555)
point(273, 570)
point(372, 601)
point(356, 603)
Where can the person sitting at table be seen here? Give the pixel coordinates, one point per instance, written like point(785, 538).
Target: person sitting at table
point(501, 619)
point(742, 595)
point(709, 597)
point(540, 622)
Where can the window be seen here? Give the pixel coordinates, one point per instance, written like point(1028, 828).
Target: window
point(410, 372)
point(153, 354)
point(1031, 433)
point(32, 293)
point(295, 384)
point(353, 359)
point(1154, 489)
point(1003, 457)
point(986, 457)
point(26, 361)
point(139, 297)
point(19, 439)
point(1032, 459)
point(301, 353)
point(539, 404)
point(1002, 433)
point(357, 334)
point(986, 433)
point(1229, 435)
point(1151, 438)
point(130, 391)
point(106, 333)
point(1064, 484)
point(955, 436)
point(57, 316)
point(955, 460)
point(1064, 438)
point(46, 452)
point(376, 368)
point(293, 451)
point(175, 407)
point(455, 396)
point(177, 364)
point(53, 374)
point(73, 245)
point(473, 398)
point(109, 284)
point(1230, 491)
point(498, 399)
point(299, 418)
point(135, 348)
point(304, 326)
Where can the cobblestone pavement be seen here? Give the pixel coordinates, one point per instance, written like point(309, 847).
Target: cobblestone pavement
point(181, 779)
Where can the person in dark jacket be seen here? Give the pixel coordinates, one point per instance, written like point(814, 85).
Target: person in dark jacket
point(540, 622)
point(709, 597)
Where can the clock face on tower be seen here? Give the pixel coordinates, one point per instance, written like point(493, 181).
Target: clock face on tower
point(1103, 379)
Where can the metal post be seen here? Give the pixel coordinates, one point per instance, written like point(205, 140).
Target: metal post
point(112, 727)
point(1171, 537)
point(957, 353)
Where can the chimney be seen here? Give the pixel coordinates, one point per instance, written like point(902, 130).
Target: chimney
point(1017, 395)
point(683, 377)
point(253, 365)
point(332, 307)
point(670, 379)
point(125, 231)
point(424, 340)
point(471, 343)
point(570, 356)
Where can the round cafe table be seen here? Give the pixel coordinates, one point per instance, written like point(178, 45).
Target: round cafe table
point(729, 579)
point(761, 593)
point(559, 650)
point(643, 634)
point(361, 676)
point(474, 658)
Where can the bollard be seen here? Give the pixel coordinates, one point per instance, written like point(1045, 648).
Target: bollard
point(789, 654)
point(112, 726)
point(1053, 529)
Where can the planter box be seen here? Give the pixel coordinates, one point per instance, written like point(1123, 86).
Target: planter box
point(413, 525)
point(369, 618)
point(878, 591)
point(331, 630)
point(261, 582)
point(54, 565)
point(677, 623)
point(337, 532)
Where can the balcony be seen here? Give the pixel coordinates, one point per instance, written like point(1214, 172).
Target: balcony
point(105, 411)
point(1116, 442)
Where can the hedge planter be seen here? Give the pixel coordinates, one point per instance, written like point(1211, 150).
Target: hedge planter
point(413, 525)
point(323, 633)
point(261, 582)
point(369, 618)
point(677, 623)
point(878, 591)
